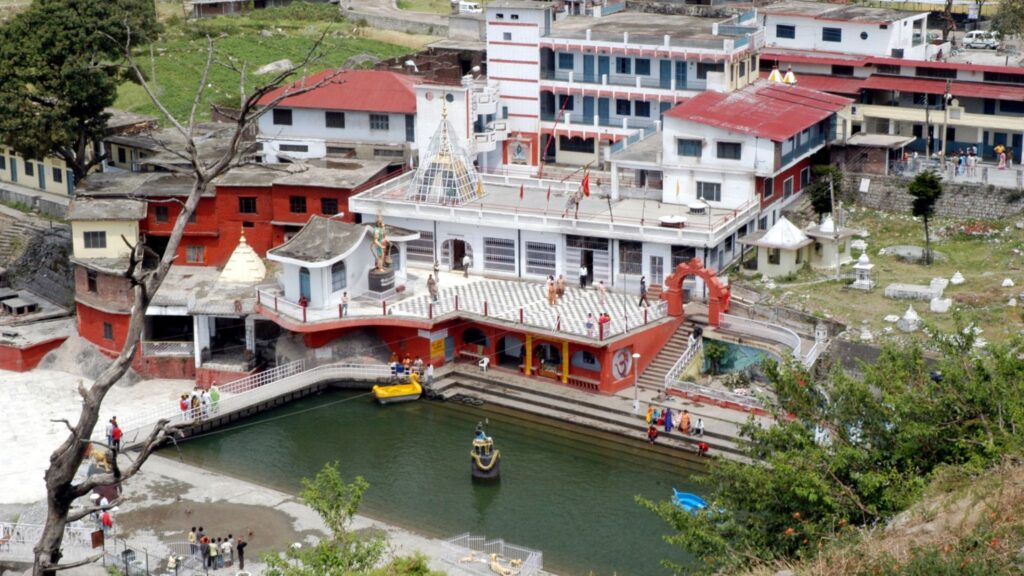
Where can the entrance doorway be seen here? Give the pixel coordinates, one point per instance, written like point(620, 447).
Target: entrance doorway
point(453, 251)
point(304, 285)
point(511, 352)
point(657, 270)
point(587, 259)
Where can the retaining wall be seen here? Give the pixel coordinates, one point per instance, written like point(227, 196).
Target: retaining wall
point(410, 26)
point(959, 200)
point(48, 206)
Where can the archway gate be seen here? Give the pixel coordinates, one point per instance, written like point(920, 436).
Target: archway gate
point(718, 293)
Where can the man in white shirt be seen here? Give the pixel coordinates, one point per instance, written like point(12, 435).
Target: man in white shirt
point(430, 374)
point(466, 262)
point(583, 276)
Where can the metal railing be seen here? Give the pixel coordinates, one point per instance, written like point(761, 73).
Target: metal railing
point(690, 389)
point(473, 554)
point(771, 332)
point(167, 348)
point(17, 541)
point(695, 347)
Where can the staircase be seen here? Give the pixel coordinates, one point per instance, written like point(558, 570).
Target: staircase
point(16, 235)
point(653, 377)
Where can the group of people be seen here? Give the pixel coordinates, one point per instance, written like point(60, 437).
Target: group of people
point(593, 323)
point(216, 552)
point(113, 434)
point(199, 403)
point(665, 418)
point(401, 368)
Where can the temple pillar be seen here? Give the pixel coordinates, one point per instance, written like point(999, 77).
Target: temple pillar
point(565, 362)
point(528, 361)
point(250, 333)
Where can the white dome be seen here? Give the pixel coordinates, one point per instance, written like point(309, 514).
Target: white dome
point(910, 314)
point(828, 226)
point(864, 260)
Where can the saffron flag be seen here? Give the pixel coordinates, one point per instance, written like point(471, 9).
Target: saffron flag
point(586, 185)
point(480, 187)
point(521, 191)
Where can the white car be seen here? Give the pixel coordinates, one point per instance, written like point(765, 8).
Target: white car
point(981, 39)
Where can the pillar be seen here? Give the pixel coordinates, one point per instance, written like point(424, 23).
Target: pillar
point(250, 333)
point(565, 362)
point(201, 331)
point(528, 362)
point(615, 177)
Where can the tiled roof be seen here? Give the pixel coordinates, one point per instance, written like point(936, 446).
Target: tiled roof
point(358, 90)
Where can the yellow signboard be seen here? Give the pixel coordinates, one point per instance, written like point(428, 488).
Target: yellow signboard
point(437, 349)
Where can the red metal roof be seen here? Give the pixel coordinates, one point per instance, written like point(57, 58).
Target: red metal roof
point(766, 110)
point(363, 90)
point(832, 84)
point(956, 88)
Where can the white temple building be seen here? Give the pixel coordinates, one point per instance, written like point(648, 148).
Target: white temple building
point(782, 250)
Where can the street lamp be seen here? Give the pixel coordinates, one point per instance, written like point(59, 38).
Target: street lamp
point(636, 383)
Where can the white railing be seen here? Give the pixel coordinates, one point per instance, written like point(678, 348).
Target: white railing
point(812, 355)
point(691, 352)
point(251, 391)
point(18, 540)
point(690, 389)
point(473, 555)
point(771, 332)
point(167, 348)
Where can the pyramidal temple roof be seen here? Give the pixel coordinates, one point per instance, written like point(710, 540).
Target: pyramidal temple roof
point(447, 175)
point(244, 266)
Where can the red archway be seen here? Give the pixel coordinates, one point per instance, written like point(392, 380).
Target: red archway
point(718, 294)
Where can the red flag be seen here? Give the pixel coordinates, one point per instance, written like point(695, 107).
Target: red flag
point(520, 191)
point(586, 185)
point(549, 193)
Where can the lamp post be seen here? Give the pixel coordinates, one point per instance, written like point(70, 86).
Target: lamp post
point(636, 383)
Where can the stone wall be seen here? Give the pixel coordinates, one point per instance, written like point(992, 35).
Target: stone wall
point(410, 26)
point(681, 8)
point(966, 201)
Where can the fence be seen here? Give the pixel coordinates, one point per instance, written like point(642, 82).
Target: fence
point(17, 541)
point(167, 348)
point(772, 333)
point(691, 352)
point(472, 554)
point(714, 395)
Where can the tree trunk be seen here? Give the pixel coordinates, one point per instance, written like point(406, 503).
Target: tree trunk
point(947, 20)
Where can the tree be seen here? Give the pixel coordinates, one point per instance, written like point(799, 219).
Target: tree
point(715, 353)
point(1008, 20)
point(343, 553)
point(61, 486)
point(887, 434)
point(926, 188)
point(59, 69)
point(828, 181)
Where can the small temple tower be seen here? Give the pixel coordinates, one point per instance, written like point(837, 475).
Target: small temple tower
point(446, 176)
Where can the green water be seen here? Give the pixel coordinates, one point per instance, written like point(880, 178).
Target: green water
point(563, 493)
point(739, 357)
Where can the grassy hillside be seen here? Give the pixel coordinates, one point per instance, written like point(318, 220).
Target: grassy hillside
point(176, 61)
point(967, 524)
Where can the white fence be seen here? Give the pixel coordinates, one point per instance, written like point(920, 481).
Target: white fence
point(473, 555)
point(691, 352)
point(18, 540)
point(771, 332)
point(167, 348)
point(717, 395)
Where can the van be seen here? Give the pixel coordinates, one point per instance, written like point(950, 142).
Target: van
point(470, 8)
point(981, 39)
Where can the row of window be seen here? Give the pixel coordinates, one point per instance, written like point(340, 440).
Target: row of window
point(787, 184)
point(30, 169)
point(283, 117)
point(692, 147)
point(97, 239)
point(247, 205)
point(642, 66)
point(827, 34)
point(622, 107)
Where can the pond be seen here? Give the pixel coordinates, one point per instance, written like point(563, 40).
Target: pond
point(565, 493)
point(739, 357)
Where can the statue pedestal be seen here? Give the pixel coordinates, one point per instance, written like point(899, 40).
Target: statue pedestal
point(381, 281)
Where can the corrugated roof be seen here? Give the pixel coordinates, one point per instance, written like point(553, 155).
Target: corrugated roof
point(362, 90)
point(773, 111)
point(956, 88)
point(831, 84)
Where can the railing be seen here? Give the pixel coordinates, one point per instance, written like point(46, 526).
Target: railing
point(982, 173)
point(771, 332)
point(133, 560)
point(721, 397)
point(633, 139)
point(691, 352)
point(251, 391)
point(167, 348)
point(18, 540)
point(812, 355)
point(457, 549)
point(569, 118)
point(624, 80)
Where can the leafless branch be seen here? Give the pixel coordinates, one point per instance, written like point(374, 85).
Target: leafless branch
point(66, 423)
point(202, 90)
point(76, 516)
point(89, 560)
point(156, 437)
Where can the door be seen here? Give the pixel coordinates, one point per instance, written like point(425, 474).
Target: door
point(999, 138)
point(304, 291)
point(681, 75)
point(588, 68)
point(1018, 141)
point(587, 259)
point(657, 270)
point(458, 253)
point(14, 169)
point(41, 170)
point(603, 66)
point(602, 110)
point(449, 348)
point(666, 73)
point(588, 109)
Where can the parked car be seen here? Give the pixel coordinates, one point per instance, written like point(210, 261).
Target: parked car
point(470, 8)
point(981, 39)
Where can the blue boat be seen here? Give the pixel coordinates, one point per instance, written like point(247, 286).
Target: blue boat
point(688, 501)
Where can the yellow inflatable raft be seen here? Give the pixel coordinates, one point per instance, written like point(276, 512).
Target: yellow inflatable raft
point(399, 392)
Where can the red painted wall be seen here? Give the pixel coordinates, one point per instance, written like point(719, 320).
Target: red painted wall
point(90, 327)
point(112, 292)
point(647, 343)
point(25, 359)
point(156, 367)
point(206, 377)
point(780, 178)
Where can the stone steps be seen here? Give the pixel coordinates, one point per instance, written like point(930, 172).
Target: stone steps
point(653, 377)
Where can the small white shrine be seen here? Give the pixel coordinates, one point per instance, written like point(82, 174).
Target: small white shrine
point(831, 245)
point(781, 251)
point(862, 270)
point(910, 321)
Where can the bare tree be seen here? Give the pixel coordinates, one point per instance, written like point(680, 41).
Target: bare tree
point(61, 488)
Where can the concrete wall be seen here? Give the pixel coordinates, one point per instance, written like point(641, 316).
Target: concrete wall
point(857, 38)
point(958, 200)
point(116, 248)
point(411, 26)
point(50, 205)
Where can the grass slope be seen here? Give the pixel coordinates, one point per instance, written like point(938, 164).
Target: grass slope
point(256, 39)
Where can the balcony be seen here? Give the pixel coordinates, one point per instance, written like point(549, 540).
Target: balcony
point(485, 99)
point(487, 140)
point(647, 84)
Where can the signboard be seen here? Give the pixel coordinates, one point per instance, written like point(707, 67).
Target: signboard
point(622, 363)
point(865, 183)
point(519, 152)
point(433, 336)
point(437, 349)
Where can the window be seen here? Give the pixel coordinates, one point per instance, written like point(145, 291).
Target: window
point(642, 109)
point(58, 175)
point(622, 107)
point(108, 331)
point(729, 150)
point(565, 61)
point(703, 69)
point(1012, 106)
point(743, 68)
point(422, 249)
point(293, 148)
point(499, 255)
point(340, 150)
point(380, 122)
point(410, 128)
point(762, 223)
point(90, 281)
point(842, 70)
point(785, 31)
point(122, 157)
point(195, 254)
point(3, 161)
point(623, 65)
point(297, 204)
point(161, 214)
point(893, 69)
point(800, 256)
point(832, 34)
point(769, 187)
point(896, 53)
point(387, 153)
point(631, 257)
point(339, 279)
point(248, 224)
point(282, 117)
point(642, 66)
point(246, 205)
point(328, 206)
point(1004, 77)
point(501, 16)
point(935, 72)
point(774, 256)
point(540, 259)
point(686, 147)
point(515, 16)
point(95, 239)
point(30, 168)
point(787, 187)
point(682, 254)
point(709, 191)
point(334, 119)
point(805, 178)
point(576, 144)
point(507, 36)
point(566, 103)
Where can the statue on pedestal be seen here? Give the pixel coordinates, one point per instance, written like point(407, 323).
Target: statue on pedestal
point(381, 247)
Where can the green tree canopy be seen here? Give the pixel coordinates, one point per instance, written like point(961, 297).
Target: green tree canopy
point(59, 70)
point(820, 192)
point(926, 188)
point(856, 452)
point(1009, 18)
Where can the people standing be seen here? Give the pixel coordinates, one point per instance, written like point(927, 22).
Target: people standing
point(560, 286)
point(107, 522)
point(204, 548)
point(432, 287)
point(650, 413)
point(643, 292)
point(206, 404)
point(668, 420)
point(117, 438)
point(1002, 160)
point(184, 405)
point(437, 269)
point(699, 428)
point(214, 398)
point(240, 548)
point(601, 292)
point(212, 561)
point(193, 547)
point(466, 262)
point(583, 276)
point(225, 550)
point(195, 405)
point(430, 374)
point(552, 297)
point(590, 325)
point(684, 422)
point(344, 304)
point(110, 432)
